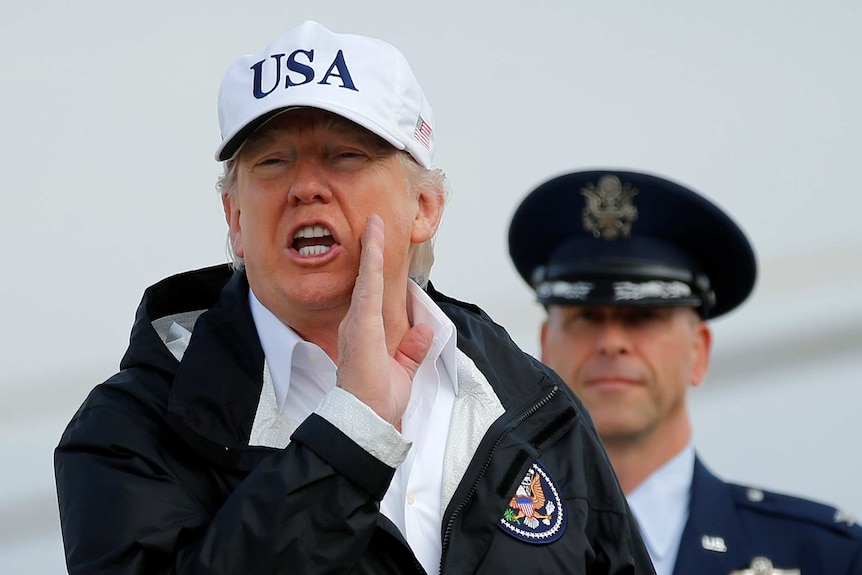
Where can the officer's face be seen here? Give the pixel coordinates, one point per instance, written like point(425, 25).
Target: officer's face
point(306, 182)
point(630, 366)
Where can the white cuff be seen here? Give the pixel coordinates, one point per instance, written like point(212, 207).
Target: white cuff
point(361, 424)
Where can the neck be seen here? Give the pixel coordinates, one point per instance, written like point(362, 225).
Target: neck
point(322, 330)
point(321, 326)
point(634, 460)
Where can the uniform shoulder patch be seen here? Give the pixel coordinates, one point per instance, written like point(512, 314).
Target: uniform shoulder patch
point(536, 513)
point(797, 509)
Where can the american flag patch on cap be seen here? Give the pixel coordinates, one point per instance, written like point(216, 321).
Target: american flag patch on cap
point(423, 133)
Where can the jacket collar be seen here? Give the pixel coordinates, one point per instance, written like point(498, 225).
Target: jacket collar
point(217, 385)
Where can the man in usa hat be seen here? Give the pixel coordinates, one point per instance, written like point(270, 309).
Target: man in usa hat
point(317, 406)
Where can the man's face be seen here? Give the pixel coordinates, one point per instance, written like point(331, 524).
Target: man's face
point(631, 366)
point(306, 182)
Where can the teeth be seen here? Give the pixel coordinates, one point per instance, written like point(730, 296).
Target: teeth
point(312, 232)
point(313, 250)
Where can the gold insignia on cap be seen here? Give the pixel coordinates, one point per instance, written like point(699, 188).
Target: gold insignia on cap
point(713, 543)
point(763, 566)
point(609, 211)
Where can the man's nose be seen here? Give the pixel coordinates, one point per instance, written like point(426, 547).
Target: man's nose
point(308, 182)
point(613, 339)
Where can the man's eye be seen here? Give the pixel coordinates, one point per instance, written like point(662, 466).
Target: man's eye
point(349, 155)
point(582, 316)
point(643, 316)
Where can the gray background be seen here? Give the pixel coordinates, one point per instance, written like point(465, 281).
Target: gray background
point(109, 124)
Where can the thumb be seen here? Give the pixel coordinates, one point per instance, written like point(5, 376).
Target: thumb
point(414, 347)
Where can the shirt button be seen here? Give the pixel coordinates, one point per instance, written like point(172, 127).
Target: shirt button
point(411, 499)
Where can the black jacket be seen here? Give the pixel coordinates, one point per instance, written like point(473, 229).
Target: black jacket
point(155, 474)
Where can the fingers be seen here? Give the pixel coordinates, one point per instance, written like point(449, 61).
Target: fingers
point(361, 330)
point(414, 347)
point(364, 364)
point(365, 367)
point(368, 291)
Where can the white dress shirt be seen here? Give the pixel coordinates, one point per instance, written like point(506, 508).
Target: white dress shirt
point(303, 378)
point(660, 505)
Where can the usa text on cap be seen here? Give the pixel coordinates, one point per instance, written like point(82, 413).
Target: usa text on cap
point(359, 78)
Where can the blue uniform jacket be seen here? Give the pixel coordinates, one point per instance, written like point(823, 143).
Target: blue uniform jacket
point(729, 526)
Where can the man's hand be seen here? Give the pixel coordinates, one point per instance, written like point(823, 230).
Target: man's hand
point(365, 368)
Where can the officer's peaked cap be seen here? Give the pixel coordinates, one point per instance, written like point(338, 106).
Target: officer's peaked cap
point(609, 237)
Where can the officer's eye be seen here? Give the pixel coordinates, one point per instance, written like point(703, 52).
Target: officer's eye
point(581, 316)
point(645, 315)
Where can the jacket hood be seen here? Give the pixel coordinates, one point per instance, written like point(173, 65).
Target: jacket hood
point(182, 296)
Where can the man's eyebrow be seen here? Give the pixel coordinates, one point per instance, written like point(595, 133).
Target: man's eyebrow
point(261, 139)
point(356, 134)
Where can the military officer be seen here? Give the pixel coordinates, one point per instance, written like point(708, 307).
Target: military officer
point(629, 268)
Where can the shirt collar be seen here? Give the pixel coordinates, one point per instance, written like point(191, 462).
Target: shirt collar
point(422, 309)
point(283, 349)
point(660, 504)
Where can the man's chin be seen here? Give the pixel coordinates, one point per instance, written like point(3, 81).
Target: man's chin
point(618, 432)
point(309, 292)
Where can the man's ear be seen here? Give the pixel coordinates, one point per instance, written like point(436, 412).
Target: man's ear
point(231, 216)
point(702, 347)
point(428, 215)
point(542, 337)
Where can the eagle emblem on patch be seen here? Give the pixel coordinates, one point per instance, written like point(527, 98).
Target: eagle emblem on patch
point(536, 513)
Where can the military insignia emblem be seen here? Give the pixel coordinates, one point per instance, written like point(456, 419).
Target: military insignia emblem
point(763, 566)
point(713, 543)
point(844, 517)
point(536, 513)
point(755, 495)
point(609, 211)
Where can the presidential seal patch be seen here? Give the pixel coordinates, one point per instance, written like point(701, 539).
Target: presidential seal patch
point(536, 514)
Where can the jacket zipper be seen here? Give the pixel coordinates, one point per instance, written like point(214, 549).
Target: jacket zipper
point(485, 464)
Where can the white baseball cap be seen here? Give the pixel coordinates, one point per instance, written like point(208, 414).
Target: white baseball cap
point(363, 79)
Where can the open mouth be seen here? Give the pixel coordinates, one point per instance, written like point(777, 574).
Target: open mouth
point(312, 240)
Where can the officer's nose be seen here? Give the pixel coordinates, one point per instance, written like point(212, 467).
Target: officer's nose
point(613, 339)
